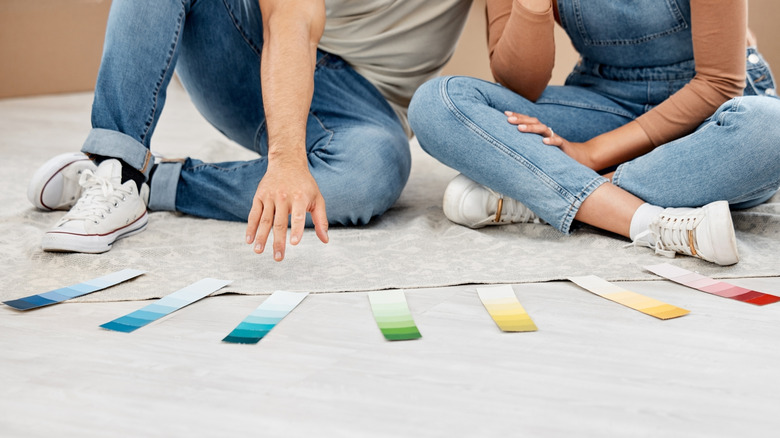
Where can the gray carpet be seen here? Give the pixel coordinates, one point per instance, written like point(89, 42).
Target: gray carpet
point(412, 246)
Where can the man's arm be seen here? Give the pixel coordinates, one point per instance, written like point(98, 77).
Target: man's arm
point(291, 31)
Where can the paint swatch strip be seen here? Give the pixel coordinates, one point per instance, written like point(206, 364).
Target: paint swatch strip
point(715, 287)
point(165, 305)
point(503, 306)
point(392, 315)
point(647, 305)
point(269, 313)
point(65, 293)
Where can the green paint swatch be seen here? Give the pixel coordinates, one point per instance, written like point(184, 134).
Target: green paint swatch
point(392, 315)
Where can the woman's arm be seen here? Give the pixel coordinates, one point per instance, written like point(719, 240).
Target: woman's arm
point(719, 29)
point(521, 44)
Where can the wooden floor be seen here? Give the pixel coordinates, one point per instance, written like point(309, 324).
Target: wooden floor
point(594, 368)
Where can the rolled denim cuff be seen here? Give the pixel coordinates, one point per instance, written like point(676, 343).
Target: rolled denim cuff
point(162, 191)
point(115, 144)
point(568, 219)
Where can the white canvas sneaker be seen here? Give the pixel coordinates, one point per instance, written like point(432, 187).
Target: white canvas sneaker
point(55, 185)
point(706, 232)
point(475, 206)
point(106, 211)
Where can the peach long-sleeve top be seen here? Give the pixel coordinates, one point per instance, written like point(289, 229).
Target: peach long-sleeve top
point(518, 36)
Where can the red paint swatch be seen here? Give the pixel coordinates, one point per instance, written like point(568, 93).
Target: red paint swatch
point(715, 287)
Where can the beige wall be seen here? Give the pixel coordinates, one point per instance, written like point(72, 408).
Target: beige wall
point(50, 46)
point(471, 56)
point(54, 46)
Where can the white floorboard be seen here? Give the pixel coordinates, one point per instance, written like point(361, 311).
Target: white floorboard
point(594, 368)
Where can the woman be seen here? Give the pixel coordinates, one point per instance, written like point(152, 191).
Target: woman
point(650, 138)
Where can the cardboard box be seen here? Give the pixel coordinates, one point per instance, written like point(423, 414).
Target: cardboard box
point(50, 46)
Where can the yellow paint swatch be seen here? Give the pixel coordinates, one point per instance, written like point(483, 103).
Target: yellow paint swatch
point(502, 305)
point(615, 293)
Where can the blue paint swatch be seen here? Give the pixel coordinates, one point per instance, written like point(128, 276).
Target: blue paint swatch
point(165, 305)
point(65, 293)
point(255, 326)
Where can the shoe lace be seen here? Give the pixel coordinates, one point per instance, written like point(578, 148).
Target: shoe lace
point(98, 197)
point(672, 235)
point(512, 210)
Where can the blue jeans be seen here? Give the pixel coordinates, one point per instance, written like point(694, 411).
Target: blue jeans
point(357, 149)
point(734, 155)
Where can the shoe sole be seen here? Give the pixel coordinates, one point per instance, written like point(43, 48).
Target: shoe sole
point(46, 174)
point(55, 241)
point(719, 215)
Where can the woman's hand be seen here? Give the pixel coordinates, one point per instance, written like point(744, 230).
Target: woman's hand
point(532, 125)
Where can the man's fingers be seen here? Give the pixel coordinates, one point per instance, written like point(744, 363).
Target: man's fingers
point(264, 228)
point(280, 232)
point(254, 220)
point(320, 220)
point(297, 222)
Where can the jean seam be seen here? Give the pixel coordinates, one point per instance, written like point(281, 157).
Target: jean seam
point(324, 128)
point(753, 194)
point(258, 52)
point(201, 166)
point(158, 85)
point(519, 158)
point(240, 29)
point(619, 173)
point(583, 106)
point(734, 107)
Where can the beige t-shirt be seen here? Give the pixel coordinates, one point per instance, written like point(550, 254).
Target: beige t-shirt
point(395, 44)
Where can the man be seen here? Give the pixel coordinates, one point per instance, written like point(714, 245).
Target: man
point(319, 88)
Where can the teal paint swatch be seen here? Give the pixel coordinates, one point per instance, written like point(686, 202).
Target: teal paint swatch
point(392, 315)
point(65, 293)
point(263, 319)
point(165, 305)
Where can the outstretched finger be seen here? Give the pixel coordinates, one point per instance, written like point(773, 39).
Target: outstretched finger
point(297, 221)
point(280, 233)
point(253, 221)
point(264, 228)
point(517, 118)
point(537, 128)
point(320, 220)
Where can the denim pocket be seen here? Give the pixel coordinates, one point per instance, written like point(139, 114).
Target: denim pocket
point(759, 76)
point(613, 23)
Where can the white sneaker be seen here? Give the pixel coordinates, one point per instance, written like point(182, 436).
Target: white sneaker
point(55, 185)
point(106, 211)
point(475, 206)
point(706, 232)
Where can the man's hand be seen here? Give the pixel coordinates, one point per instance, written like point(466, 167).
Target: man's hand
point(291, 32)
point(285, 190)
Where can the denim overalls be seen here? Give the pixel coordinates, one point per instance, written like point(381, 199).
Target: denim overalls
point(634, 55)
